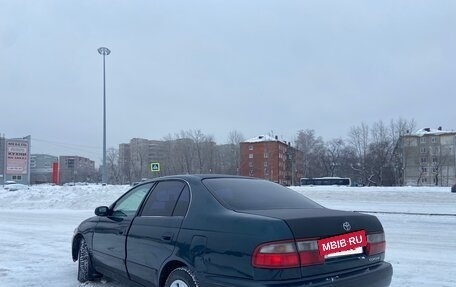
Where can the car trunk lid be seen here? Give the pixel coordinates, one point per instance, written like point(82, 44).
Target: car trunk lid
point(312, 224)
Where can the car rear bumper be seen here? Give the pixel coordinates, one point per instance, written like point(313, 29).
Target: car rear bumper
point(379, 275)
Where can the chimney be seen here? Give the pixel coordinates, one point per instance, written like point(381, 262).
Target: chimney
point(276, 137)
point(427, 129)
point(440, 128)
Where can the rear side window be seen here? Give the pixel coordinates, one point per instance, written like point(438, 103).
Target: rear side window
point(163, 198)
point(255, 194)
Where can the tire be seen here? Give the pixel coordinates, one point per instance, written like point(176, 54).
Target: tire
point(181, 277)
point(85, 269)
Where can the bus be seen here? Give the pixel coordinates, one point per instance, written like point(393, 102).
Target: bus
point(342, 181)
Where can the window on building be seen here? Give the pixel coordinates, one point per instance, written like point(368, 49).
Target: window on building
point(424, 180)
point(424, 169)
point(423, 160)
point(17, 177)
point(423, 150)
point(435, 150)
point(435, 160)
point(265, 163)
point(70, 163)
point(250, 147)
point(422, 140)
point(266, 155)
point(250, 164)
point(251, 155)
point(433, 140)
point(435, 169)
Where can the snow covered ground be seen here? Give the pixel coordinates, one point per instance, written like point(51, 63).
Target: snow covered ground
point(36, 226)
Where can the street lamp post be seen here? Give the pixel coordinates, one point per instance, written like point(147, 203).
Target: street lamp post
point(104, 51)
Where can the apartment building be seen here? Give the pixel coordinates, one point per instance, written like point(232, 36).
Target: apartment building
point(136, 156)
point(269, 158)
point(429, 157)
point(76, 169)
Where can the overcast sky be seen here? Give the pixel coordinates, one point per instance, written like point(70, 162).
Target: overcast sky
point(252, 66)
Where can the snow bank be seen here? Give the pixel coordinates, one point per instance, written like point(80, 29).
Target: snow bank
point(61, 197)
point(384, 199)
point(379, 199)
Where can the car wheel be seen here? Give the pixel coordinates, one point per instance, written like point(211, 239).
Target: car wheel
point(181, 277)
point(85, 269)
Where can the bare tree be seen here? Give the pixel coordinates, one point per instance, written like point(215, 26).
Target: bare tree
point(204, 149)
point(380, 153)
point(399, 157)
point(112, 164)
point(139, 155)
point(334, 153)
point(313, 152)
point(359, 139)
point(234, 140)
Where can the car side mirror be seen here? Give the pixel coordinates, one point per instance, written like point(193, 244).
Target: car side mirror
point(102, 211)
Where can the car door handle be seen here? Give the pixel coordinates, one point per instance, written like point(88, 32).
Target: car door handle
point(167, 236)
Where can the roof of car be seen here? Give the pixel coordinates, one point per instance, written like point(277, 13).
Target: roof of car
point(199, 176)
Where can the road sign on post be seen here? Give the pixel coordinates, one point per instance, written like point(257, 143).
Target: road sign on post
point(155, 167)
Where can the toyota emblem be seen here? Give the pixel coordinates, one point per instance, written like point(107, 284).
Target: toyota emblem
point(346, 225)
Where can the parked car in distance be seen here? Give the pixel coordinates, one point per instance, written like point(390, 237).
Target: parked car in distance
point(453, 188)
point(217, 230)
point(16, 186)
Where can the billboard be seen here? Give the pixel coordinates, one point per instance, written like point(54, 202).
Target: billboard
point(17, 153)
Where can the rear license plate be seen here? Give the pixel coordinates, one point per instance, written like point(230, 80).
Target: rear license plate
point(341, 243)
point(357, 250)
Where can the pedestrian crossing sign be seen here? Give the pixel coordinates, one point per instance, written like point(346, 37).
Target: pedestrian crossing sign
point(155, 166)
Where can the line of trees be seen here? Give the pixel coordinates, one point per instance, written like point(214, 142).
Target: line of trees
point(368, 155)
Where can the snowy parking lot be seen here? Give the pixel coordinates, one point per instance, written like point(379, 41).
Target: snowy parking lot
point(36, 227)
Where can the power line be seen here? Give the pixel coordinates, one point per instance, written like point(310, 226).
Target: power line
point(66, 144)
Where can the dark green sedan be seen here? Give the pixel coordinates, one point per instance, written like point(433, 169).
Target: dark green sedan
point(225, 231)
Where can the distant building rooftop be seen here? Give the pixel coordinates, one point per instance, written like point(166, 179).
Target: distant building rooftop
point(262, 138)
point(429, 131)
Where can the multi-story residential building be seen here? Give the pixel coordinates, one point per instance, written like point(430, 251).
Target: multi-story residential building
point(41, 168)
point(124, 163)
point(269, 158)
point(135, 158)
point(76, 169)
point(429, 157)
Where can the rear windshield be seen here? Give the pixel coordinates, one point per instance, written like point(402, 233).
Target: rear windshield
point(255, 194)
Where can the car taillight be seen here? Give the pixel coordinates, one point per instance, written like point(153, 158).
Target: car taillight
point(308, 253)
point(276, 255)
point(285, 255)
point(375, 244)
